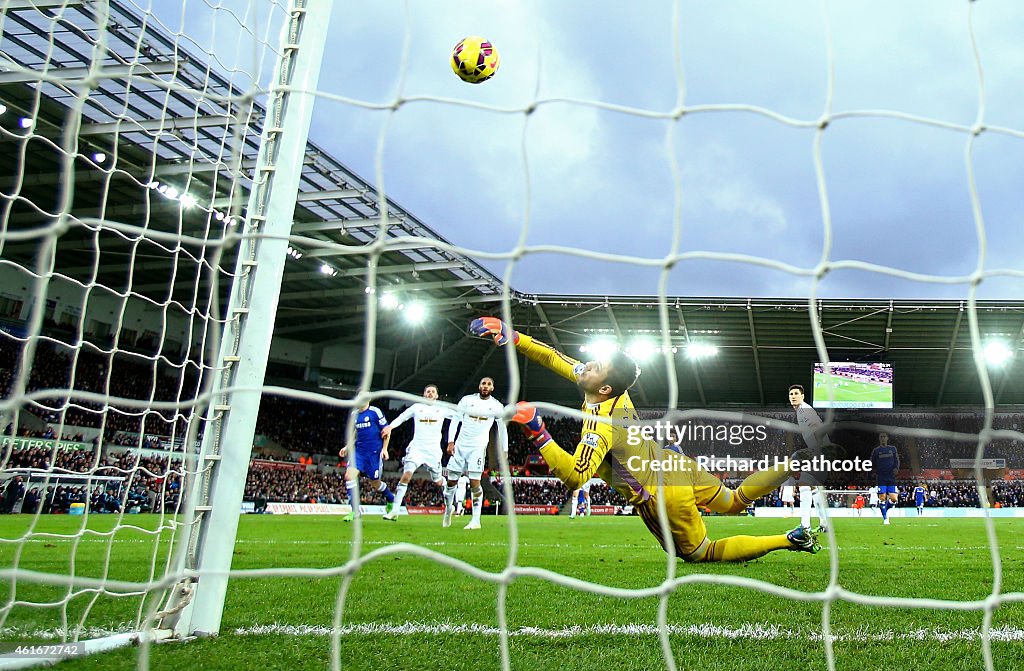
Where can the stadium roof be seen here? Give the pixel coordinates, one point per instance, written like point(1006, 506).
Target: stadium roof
point(764, 345)
point(143, 117)
point(153, 131)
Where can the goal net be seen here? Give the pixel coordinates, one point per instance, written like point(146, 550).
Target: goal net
point(142, 251)
point(181, 238)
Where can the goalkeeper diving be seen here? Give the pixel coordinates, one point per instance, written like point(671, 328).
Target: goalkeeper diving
point(608, 450)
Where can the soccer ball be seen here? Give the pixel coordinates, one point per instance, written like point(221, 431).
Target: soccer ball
point(475, 60)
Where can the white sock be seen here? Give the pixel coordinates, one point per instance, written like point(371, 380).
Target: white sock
point(821, 506)
point(449, 495)
point(805, 508)
point(353, 499)
point(478, 502)
point(400, 494)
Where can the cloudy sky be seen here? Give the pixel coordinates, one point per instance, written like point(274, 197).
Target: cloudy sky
point(626, 182)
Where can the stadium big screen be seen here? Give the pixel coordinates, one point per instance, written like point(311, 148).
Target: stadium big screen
point(853, 385)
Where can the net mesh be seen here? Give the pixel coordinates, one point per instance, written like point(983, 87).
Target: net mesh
point(121, 243)
point(198, 117)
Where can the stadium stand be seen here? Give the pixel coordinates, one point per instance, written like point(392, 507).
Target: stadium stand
point(302, 429)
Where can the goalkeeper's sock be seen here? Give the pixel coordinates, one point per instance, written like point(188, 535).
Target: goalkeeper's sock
point(353, 497)
point(754, 486)
point(762, 483)
point(383, 489)
point(449, 496)
point(478, 502)
point(400, 494)
point(744, 548)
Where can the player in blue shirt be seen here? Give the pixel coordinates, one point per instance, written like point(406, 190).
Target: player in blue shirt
point(919, 495)
point(371, 449)
point(885, 461)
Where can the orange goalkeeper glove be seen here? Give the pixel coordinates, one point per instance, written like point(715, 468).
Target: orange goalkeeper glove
point(494, 327)
point(532, 423)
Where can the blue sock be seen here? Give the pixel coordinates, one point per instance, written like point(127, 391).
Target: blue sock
point(351, 488)
point(387, 492)
point(885, 510)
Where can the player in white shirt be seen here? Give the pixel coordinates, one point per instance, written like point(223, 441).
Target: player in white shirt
point(425, 447)
point(788, 496)
point(809, 422)
point(575, 500)
point(476, 414)
point(873, 498)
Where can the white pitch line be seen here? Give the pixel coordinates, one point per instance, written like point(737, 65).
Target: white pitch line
point(753, 632)
point(756, 632)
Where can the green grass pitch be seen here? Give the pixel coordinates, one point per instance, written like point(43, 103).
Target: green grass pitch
point(866, 392)
point(408, 612)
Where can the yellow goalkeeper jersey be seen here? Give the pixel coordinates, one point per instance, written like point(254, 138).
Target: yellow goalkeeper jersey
point(617, 455)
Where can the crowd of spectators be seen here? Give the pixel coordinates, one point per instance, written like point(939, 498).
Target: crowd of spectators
point(302, 426)
point(1009, 494)
point(319, 428)
point(940, 493)
point(51, 480)
point(124, 375)
point(310, 486)
point(148, 484)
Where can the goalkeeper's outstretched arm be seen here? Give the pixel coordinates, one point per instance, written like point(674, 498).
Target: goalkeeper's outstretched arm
point(542, 353)
point(572, 469)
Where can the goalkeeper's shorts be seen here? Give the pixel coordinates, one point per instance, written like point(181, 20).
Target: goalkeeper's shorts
point(683, 505)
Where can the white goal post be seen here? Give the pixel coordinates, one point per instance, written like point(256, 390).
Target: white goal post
point(212, 512)
point(215, 401)
point(147, 223)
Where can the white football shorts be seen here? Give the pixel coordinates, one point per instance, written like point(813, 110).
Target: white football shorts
point(466, 461)
point(417, 456)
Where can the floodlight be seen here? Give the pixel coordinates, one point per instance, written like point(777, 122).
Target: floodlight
point(601, 349)
point(699, 350)
point(997, 352)
point(642, 350)
point(415, 312)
